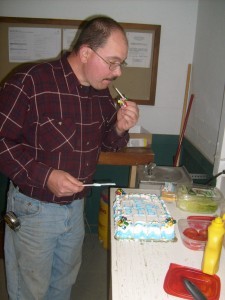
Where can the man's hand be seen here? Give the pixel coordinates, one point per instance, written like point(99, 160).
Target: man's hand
point(62, 184)
point(127, 117)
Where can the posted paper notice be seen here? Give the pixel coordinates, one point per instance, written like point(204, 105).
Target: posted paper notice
point(31, 44)
point(140, 49)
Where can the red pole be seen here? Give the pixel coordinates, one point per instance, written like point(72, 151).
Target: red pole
point(183, 131)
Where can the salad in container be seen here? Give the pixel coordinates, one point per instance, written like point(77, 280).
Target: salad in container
point(198, 198)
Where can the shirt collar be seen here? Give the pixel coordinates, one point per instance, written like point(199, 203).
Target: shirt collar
point(70, 76)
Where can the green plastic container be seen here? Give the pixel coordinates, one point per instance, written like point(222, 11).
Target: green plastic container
point(198, 198)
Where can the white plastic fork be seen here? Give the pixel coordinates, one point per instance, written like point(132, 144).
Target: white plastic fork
point(99, 184)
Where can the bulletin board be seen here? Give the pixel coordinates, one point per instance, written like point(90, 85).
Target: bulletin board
point(139, 79)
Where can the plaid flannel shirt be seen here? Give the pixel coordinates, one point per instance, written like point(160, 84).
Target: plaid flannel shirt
point(49, 121)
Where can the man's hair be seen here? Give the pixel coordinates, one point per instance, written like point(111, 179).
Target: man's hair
point(95, 32)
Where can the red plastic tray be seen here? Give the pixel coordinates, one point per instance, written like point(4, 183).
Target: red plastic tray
point(173, 283)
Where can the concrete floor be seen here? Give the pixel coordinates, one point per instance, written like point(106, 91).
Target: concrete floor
point(93, 278)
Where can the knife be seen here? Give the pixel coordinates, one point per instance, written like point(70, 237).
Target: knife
point(193, 290)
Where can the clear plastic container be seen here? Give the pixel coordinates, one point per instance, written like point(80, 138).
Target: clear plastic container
point(168, 192)
point(198, 198)
point(194, 232)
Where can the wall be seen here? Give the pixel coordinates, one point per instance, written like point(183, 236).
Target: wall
point(178, 20)
point(208, 78)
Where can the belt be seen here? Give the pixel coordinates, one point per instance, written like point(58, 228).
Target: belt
point(19, 190)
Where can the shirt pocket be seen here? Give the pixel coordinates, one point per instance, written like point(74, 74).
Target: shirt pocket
point(57, 134)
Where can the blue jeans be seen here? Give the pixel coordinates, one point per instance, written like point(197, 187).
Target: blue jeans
point(43, 258)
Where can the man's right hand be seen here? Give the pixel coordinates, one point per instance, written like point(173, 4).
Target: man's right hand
point(62, 184)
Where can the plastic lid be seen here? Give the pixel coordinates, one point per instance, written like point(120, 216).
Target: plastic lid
point(209, 285)
point(201, 218)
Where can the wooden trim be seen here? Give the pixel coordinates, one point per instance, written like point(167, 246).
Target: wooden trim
point(127, 157)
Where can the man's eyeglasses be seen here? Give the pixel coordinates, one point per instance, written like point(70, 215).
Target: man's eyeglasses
point(112, 65)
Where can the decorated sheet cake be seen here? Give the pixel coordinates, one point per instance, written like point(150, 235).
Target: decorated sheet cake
point(142, 216)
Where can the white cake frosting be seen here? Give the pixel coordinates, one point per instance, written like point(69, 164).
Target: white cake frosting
point(142, 216)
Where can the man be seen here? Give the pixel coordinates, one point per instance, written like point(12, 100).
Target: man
point(55, 119)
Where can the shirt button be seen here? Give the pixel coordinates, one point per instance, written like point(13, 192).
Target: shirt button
point(87, 143)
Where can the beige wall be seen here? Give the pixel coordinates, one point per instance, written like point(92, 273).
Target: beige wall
point(178, 20)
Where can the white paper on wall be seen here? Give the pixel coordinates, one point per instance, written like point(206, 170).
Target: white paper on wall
point(69, 38)
point(32, 44)
point(140, 49)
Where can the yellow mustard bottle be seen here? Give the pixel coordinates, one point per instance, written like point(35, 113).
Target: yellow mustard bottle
point(211, 257)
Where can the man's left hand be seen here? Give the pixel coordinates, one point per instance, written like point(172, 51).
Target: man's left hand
point(127, 117)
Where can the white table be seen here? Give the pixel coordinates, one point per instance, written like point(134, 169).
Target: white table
point(138, 270)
